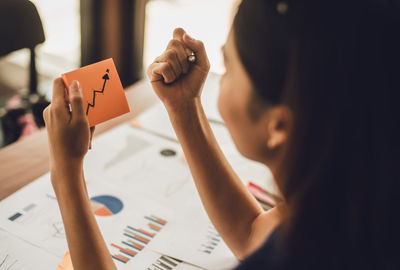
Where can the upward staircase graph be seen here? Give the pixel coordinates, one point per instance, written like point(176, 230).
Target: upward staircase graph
point(105, 78)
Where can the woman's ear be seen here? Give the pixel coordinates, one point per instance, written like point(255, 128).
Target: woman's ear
point(279, 123)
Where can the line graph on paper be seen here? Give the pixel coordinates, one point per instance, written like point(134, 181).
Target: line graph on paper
point(105, 78)
point(140, 165)
point(9, 263)
point(59, 231)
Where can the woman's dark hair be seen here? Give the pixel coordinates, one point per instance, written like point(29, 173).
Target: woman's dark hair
point(336, 65)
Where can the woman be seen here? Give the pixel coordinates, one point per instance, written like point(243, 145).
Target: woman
point(309, 90)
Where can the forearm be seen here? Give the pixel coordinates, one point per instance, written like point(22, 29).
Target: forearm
point(228, 204)
point(86, 244)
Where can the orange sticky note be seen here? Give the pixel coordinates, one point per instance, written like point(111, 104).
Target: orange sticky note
point(103, 94)
point(66, 263)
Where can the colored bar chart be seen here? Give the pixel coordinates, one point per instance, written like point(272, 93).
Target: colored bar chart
point(155, 219)
point(135, 239)
point(211, 241)
point(26, 209)
point(164, 263)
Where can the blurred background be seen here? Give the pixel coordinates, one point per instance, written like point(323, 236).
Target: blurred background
point(41, 39)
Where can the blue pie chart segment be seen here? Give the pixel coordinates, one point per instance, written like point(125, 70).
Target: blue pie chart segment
point(106, 205)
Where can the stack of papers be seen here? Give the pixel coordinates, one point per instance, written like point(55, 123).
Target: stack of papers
point(142, 195)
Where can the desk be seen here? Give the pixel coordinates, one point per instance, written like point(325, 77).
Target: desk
point(128, 167)
point(25, 160)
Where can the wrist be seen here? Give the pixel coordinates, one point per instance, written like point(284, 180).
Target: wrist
point(174, 107)
point(66, 173)
point(66, 164)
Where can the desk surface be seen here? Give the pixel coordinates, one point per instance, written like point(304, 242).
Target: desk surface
point(25, 160)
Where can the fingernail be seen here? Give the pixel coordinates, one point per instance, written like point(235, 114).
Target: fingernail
point(75, 86)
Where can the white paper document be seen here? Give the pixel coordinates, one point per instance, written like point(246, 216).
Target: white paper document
point(133, 160)
point(143, 197)
point(32, 214)
point(16, 254)
point(192, 237)
point(155, 120)
point(129, 223)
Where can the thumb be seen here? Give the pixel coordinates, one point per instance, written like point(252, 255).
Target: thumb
point(198, 48)
point(76, 99)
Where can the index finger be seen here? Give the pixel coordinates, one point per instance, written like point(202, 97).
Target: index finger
point(58, 97)
point(178, 34)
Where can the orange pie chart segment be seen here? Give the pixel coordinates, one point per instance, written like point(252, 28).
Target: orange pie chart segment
point(105, 205)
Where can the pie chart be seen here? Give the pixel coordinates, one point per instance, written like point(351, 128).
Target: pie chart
point(106, 205)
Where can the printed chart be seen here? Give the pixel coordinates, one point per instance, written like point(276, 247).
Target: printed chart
point(150, 260)
point(169, 263)
point(141, 162)
point(135, 238)
point(211, 240)
point(33, 215)
point(106, 205)
point(8, 262)
point(191, 237)
point(16, 254)
point(141, 193)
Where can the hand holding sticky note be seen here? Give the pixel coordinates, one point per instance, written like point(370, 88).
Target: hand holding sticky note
point(103, 94)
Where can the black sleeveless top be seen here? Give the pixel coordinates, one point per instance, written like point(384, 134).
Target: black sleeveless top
point(273, 255)
point(270, 255)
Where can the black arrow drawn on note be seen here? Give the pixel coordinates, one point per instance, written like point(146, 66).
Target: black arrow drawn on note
point(105, 78)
